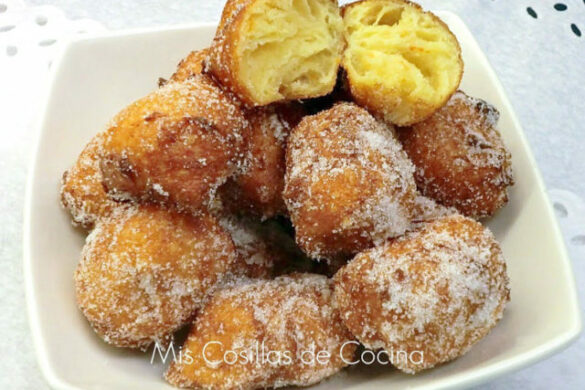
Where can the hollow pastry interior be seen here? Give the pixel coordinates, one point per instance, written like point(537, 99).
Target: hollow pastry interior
point(401, 60)
point(290, 49)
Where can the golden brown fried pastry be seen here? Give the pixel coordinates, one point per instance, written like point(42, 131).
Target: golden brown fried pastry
point(460, 158)
point(402, 63)
point(432, 294)
point(257, 190)
point(176, 146)
point(145, 271)
point(348, 185)
point(82, 192)
point(190, 65)
point(267, 51)
point(262, 334)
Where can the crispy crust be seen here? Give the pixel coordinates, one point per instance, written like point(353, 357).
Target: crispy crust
point(383, 104)
point(145, 271)
point(288, 315)
point(175, 146)
point(432, 293)
point(461, 160)
point(230, 11)
point(190, 65)
point(223, 62)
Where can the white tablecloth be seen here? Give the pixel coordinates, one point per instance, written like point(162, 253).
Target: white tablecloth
point(541, 63)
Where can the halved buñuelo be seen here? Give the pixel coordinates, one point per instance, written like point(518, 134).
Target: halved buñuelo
point(402, 63)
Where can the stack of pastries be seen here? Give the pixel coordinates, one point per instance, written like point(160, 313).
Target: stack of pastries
point(312, 181)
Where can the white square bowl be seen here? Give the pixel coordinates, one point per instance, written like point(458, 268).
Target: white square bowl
point(96, 77)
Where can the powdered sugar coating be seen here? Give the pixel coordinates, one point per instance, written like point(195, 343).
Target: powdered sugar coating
point(288, 314)
point(145, 271)
point(348, 184)
point(460, 158)
point(438, 290)
point(82, 192)
point(175, 146)
point(190, 65)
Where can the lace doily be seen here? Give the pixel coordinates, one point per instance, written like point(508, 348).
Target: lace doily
point(31, 34)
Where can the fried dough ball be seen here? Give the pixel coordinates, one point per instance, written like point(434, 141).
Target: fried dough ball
point(348, 184)
point(273, 326)
point(145, 271)
point(402, 63)
point(82, 192)
point(267, 51)
point(257, 190)
point(432, 293)
point(460, 158)
point(190, 65)
point(175, 146)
